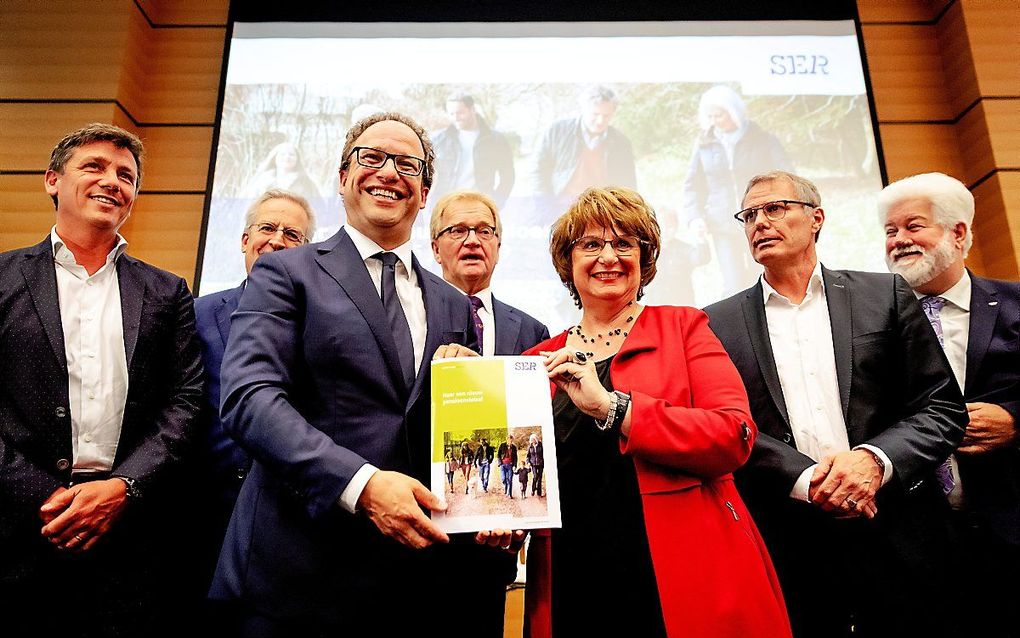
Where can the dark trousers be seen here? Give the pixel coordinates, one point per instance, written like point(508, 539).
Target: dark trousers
point(990, 585)
point(536, 485)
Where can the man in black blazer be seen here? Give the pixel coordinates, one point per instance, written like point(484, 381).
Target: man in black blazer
point(100, 390)
point(325, 381)
point(276, 220)
point(927, 220)
point(856, 408)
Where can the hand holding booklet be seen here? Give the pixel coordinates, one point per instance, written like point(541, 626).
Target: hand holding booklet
point(493, 444)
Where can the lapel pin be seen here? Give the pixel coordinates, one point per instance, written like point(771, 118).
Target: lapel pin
point(993, 303)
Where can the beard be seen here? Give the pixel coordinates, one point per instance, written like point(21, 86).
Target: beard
point(928, 266)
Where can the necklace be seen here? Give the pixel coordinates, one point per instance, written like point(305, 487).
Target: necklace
point(609, 336)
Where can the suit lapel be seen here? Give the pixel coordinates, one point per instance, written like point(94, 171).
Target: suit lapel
point(132, 295)
point(758, 331)
point(340, 258)
point(840, 319)
point(41, 280)
point(507, 326)
point(223, 311)
point(984, 312)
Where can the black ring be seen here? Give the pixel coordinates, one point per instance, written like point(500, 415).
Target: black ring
point(581, 357)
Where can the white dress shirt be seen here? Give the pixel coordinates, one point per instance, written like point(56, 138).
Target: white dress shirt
point(955, 319)
point(488, 322)
point(97, 374)
point(409, 293)
point(801, 337)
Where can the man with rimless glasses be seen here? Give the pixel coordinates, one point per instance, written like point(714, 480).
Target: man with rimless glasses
point(325, 383)
point(856, 407)
point(276, 220)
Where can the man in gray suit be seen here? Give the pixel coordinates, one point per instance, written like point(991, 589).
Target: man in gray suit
point(856, 408)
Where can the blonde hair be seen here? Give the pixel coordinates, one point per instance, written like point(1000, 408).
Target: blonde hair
point(435, 223)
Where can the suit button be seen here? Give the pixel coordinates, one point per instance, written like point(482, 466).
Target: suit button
point(63, 464)
point(60, 412)
point(787, 437)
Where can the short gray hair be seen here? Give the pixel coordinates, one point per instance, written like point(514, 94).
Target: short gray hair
point(805, 188)
point(951, 201)
point(463, 196)
point(279, 193)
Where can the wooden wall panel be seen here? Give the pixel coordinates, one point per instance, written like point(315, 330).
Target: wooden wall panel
point(53, 52)
point(26, 211)
point(184, 86)
point(900, 10)
point(186, 12)
point(957, 62)
point(995, 52)
point(906, 73)
point(28, 131)
point(997, 225)
point(177, 157)
point(920, 148)
point(164, 230)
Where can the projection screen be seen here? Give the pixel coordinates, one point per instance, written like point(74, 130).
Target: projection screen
point(694, 107)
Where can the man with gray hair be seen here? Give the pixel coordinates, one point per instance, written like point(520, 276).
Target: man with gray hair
point(928, 221)
point(856, 407)
point(276, 220)
point(583, 151)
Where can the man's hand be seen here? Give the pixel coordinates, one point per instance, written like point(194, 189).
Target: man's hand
point(450, 350)
point(76, 518)
point(391, 501)
point(505, 539)
point(990, 428)
point(846, 484)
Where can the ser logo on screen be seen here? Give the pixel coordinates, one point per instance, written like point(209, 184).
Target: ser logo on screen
point(525, 365)
point(799, 65)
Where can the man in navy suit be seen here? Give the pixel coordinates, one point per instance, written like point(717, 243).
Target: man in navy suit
point(466, 235)
point(99, 394)
point(927, 220)
point(277, 220)
point(856, 409)
point(325, 382)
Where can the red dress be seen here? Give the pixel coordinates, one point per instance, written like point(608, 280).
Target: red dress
point(690, 429)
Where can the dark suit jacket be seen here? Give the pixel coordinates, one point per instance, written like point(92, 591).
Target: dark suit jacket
point(164, 394)
point(225, 462)
point(898, 394)
point(312, 388)
point(991, 481)
point(516, 331)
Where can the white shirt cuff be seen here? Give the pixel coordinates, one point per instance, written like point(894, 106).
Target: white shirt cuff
point(349, 497)
point(887, 472)
point(802, 487)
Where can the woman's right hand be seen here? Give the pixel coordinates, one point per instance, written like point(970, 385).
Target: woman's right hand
point(575, 374)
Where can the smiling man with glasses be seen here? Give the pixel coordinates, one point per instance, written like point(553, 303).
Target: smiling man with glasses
point(325, 381)
point(856, 407)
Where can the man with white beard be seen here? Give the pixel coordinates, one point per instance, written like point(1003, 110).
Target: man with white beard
point(928, 220)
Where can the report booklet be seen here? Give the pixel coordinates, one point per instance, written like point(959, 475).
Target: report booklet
point(493, 444)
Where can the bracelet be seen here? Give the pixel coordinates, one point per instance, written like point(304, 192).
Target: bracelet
point(618, 402)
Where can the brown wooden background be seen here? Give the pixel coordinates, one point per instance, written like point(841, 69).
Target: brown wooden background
point(945, 75)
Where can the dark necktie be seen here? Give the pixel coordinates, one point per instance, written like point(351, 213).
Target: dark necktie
point(476, 303)
point(931, 306)
point(395, 315)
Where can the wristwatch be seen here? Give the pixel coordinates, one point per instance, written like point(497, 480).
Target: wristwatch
point(618, 402)
point(134, 492)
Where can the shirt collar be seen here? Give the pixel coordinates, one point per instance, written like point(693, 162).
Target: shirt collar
point(367, 248)
point(485, 295)
point(815, 283)
point(62, 254)
point(958, 294)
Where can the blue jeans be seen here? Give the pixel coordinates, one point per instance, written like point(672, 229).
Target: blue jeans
point(483, 474)
point(507, 470)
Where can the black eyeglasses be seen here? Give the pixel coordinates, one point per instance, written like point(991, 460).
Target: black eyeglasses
point(483, 232)
point(374, 158)
point(594, 245)
point(774, 211)
point(290, 235)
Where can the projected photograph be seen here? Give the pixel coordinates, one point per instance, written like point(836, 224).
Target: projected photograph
point(532, 115)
